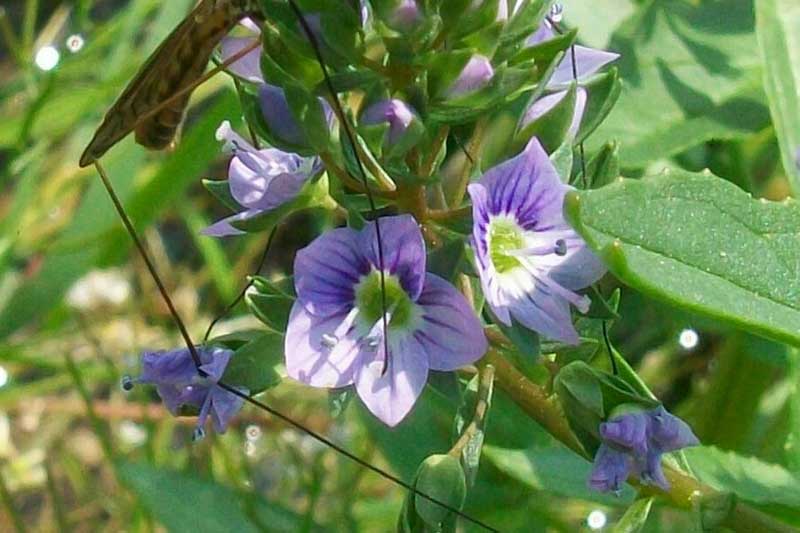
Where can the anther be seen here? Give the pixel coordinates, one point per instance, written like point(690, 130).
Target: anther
point(198, 434)
point(561, 247)
point(127, 383)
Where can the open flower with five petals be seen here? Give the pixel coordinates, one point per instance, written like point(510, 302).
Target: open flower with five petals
point(336, 338)
point(529, 259)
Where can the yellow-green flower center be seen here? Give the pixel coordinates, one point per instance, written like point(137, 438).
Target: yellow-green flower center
point(370, 303)
point(505, 236)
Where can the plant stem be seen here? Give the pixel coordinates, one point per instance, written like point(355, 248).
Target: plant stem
point(685, 492)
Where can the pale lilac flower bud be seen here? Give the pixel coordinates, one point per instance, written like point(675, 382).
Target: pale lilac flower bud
point(477, 73)
point(394, 112)
point(405, 16)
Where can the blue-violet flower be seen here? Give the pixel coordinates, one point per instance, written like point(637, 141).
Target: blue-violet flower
point(633, 443)
point(335, 335)
point(260, 180)
point(184, 391)
point(529, 259)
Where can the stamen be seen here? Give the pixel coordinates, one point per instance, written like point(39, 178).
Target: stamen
point(561, 247)
point(329, 341)
point(127, 383)
point(198, 434)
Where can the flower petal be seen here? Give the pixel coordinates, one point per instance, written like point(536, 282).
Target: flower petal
point(629, 430)
point(224, 406)
point(611, 469)
point(248, 67)
point(321, 351)
point(545, 312)
point(224, 228)
point(669, 433)
point(327, 270)
point(390, 395)
point(526, 186)
point(450, 332)
point(588, 62)
point(403, 250)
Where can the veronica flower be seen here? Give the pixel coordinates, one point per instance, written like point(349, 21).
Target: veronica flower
point(396, 113)
point(336, 336)
point(183, 389)
point(587, 62)
point(633, 443)
point(529, 259)
point(476, 74)
point(260, 180)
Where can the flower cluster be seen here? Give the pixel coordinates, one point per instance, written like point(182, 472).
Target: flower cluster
point(367, 313)
point(633, 444)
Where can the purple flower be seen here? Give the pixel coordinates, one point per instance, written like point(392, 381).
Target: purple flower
point(394, 112)
point(249, 66)
point(476, 74)
point(634, 442)
point(260, 180)
point(183, 389)
point(335, 335)
point(587, 62)
point(529, 259)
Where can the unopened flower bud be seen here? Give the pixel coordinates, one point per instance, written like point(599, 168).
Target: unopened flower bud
point(396, 113)
point(477, 73)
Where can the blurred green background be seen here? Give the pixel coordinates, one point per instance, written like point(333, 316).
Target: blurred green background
point(77, 306)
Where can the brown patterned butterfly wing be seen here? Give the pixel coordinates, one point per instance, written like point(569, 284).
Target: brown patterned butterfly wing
point(178, 61)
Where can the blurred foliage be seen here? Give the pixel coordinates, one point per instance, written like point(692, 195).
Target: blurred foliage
point(695, 95)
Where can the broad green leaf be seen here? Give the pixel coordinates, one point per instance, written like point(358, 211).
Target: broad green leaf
point(778, 31)
point(186, 503)
point(635, 517)
point(701, 243)
point(748, 477)
point(689, 74)
point(553, 469)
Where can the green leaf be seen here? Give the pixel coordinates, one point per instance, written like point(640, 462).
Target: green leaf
point(186, 503)
point(221, 191)
point(778, 32)
point(635, 517)
point(749, 478)
point(553, 469)
point(701, 243)
point(253, 365)
point(691, 72)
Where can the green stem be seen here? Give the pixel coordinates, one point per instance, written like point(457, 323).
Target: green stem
point(684, 491)
point(55, 497)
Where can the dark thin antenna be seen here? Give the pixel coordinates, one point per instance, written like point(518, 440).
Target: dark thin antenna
point(354, 458)
point(150, 266)
point(352, 140)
